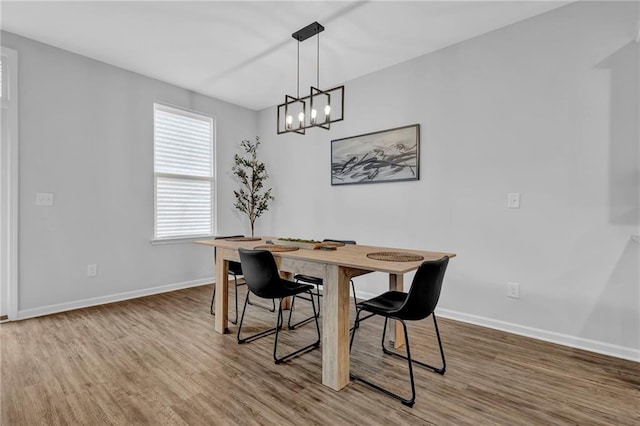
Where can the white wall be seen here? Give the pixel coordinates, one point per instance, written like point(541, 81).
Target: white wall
point(86, 134)
point(547, 107)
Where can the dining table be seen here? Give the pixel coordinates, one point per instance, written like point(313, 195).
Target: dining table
point(336, 268)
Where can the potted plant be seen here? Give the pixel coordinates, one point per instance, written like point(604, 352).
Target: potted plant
point(251, 198)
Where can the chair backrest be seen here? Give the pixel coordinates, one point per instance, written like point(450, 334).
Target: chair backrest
point(425, 290)
point(330, 240)
point(260, 271)
point(234, 267)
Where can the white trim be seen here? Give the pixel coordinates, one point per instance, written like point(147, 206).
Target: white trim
point(545, 335)
point(536, 333)
point(214, 199)
point(9, 186)
point(180, 240)
point(101, 300)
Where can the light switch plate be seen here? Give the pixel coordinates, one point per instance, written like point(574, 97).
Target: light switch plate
point(44, 199)
point(513, 200)
point(513, 290)
point(92, 270)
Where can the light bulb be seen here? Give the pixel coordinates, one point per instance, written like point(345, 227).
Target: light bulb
point(301, 118)
point(289, 121)
point(314, 113)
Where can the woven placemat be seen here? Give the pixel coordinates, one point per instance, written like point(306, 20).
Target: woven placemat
point(395, 256)
point(275, 247)
point(238, 239)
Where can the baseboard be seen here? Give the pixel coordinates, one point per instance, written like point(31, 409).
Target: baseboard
point(118, 297)
point(535, 333)
point(545, 335)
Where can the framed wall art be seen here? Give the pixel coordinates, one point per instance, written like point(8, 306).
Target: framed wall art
point(386, 156)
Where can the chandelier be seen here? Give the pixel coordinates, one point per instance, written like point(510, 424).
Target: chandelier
point(319, 108)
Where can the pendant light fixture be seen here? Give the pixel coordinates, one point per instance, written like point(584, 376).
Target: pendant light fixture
point(319, 108)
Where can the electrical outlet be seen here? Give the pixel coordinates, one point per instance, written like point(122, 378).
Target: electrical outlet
point(92, 270)
point(44, 199)
point(513, 200)
point(513, 290)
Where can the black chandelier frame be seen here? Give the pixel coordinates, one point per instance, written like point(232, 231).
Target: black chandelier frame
point(309, 121)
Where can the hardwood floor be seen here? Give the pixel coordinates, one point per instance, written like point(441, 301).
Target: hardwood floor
point(156, 360)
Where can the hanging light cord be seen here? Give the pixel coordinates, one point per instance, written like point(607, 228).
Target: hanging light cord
point(298, 70)
point(318, 61)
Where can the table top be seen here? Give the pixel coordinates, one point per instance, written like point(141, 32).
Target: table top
point(350, 255)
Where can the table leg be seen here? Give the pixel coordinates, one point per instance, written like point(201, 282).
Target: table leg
point(335, 329)
point(396, 283)
point(222, 293)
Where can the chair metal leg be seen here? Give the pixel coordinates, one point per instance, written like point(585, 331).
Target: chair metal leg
point(358, 320)
point(235, 278)
point(305, 349)
point(407, 402)
point(235, 321)
point(293, 303)
point(306, 320)
point(439, 370)
point(276, 330)
point(319, 297)
point(271, 309)
point(213, 297)
point(255, 336)
point(355, 301)
point(356, 324)
point(355, 327)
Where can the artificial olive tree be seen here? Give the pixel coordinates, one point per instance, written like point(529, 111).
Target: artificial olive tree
point(251, 198)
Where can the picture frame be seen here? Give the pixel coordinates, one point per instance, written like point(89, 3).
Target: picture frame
point(391, 155)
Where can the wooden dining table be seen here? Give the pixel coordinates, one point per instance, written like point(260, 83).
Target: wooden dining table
point(336, 268)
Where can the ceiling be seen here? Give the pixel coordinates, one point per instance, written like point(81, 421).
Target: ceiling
point(242, 52)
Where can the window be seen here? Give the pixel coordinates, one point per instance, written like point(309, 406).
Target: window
point(183, 147)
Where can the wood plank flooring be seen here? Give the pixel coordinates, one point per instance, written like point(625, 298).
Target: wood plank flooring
point(156, 360)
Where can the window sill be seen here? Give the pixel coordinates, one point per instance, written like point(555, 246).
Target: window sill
point(180, 240)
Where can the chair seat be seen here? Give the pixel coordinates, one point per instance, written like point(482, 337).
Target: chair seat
point(385, 304)
point(308, 279)
point(288, 289)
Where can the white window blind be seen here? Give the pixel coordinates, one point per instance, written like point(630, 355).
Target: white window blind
point(183, 173)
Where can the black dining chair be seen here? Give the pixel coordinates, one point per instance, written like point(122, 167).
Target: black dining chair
point(417, 304)
point(317, 283)
point(235, 270)
point(263, 279)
